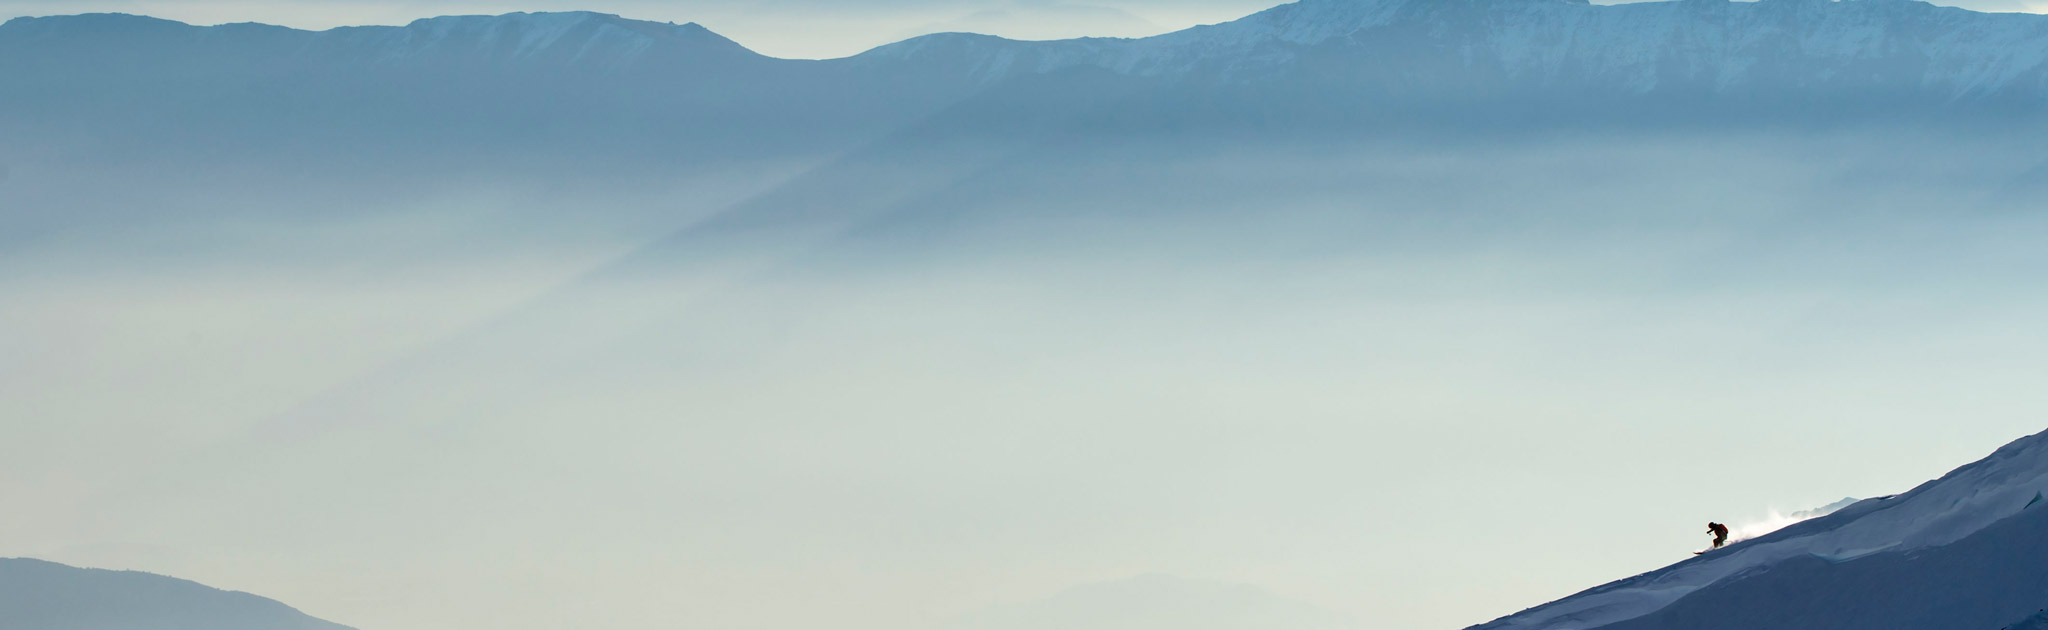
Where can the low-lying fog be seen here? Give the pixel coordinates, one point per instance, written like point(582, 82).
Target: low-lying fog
point(768, 397)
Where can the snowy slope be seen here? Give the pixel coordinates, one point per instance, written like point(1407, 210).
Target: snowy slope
point(1969, 540)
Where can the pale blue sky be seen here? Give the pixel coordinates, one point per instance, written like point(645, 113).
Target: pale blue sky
point(784, 28)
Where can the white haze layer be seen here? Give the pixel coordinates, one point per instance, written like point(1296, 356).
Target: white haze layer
point(1386, 382)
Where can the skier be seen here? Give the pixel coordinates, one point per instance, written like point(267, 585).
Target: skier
point(1720, 533)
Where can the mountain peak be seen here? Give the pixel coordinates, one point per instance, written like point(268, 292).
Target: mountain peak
point(574, 37)
point(1685, 48)
point(574, 33)
point(112, 23)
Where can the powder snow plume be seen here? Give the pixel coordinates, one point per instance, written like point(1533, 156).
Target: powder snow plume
point(1774, 520)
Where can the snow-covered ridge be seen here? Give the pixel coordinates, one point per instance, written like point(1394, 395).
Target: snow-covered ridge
point(1937, 513)
point(582, 37)
point(576, 34)
point(1873, 52)
point(1694, 46)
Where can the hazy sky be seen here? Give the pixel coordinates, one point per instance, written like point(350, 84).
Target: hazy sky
point(785, 28)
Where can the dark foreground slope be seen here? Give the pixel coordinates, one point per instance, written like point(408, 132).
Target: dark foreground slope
point(1964, 551)
point(38, 595)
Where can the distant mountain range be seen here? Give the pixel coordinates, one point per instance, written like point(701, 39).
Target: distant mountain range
point(1687, 47)
point(1463, 47)
point(589, 84)
point(38, 595)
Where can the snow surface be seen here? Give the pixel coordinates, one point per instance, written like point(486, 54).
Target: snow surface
point(1937, 513)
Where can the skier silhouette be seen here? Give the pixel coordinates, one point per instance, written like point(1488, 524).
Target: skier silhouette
point(1720, 533)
